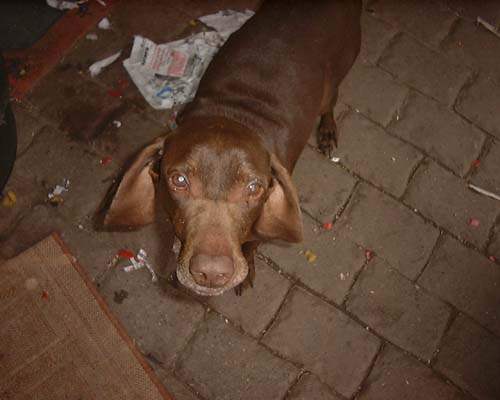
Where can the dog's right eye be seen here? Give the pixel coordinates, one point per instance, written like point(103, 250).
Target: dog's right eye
point(178, 182)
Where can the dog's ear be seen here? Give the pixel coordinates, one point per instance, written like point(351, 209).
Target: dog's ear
point(134, 201)
point(280, 217)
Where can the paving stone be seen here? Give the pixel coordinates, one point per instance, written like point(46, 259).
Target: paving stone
point(310, 387)
point(223, 364)
point(175, 387)
point(257, 306)
point(467, 280)
point(486, 173)
point(458, 142)
point(395, 233)
point(27, 126)
point(479, 103)
point(322, 186)
point(473, 45)
point(398, 376)
point(488, 9)
point(370, 152)
point(429, 20)
point(494, 247)
point(167, 319)
point(332, 273)
point(470, 357)
point(445, 199)
point(432, 73)
point(325, 340)
point(375, 36)
point(373, 92)
point(398, 310)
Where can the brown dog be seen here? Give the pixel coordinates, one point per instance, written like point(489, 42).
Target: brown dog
point(224, 177)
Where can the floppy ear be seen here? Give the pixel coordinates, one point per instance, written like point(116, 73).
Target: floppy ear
point(280, 217)
point(134, 201)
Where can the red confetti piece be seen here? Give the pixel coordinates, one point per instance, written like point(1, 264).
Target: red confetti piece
point(125, 253)
point(105, 160)
point(368, 254)
point(474, 222)
point(475, 162)
point(492, 258)
point(327, 226)
point(44, 295)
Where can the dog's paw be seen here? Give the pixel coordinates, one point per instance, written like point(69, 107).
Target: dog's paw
point(326, 135)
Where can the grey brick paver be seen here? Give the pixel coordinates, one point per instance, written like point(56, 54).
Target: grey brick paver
point(480, 103)
point(222, 364)
point(470, 357)
point(376, 156)
point(373, 92)
point(467, 280)
point(472, 45)
point(439, 132)
point(175, 387)
point(394, 232)
point(375, 36)
point(322, 186)
point(325, 340)
point(258, 305)
point(397, 376)
point(333, 271)
point(428, 20)
point(310, 388)
point(398, 310)
point(487, 174)
point(494, 247)
point(446, 199)
point(425, 70)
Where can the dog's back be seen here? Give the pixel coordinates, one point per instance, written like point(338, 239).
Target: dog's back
point(270, 75)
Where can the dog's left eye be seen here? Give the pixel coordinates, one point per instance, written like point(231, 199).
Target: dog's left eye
point(254, 188)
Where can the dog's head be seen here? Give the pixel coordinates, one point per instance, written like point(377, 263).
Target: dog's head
point(221, 188)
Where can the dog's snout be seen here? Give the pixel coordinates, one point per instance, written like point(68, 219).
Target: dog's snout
point(211, 271)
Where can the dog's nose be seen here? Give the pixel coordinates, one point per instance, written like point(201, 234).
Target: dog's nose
point(211, 271)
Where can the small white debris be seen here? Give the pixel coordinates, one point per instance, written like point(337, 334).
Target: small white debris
point(96, 68)
point(102, 3)
point(104, 24)
point(80, 226)
point(393, 159)
point(64, 5)
point(372, 292)
point(488, 26)
point(342, 276)
point(335, 159)
point(484, 192)
point(397, 117)
point(140, 263)
point(355, 109)
point(117, 123)
point(91, 36)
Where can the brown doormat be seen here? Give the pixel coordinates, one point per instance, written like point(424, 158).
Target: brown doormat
point(58, 339)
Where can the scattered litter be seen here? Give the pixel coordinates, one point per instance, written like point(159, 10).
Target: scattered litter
point(335, 159)
point(488, 26)
point(96, 68)
point(168, 74)
point(397, 117)
point(9, 199)
point(140, 263)
point(104, 24)
point(355, 109)
point(492, 258)
point(105, 160)
point(393, 159)
point(125, 253)
point(80, 226)
point(91, 36)
point(475, 162)
point(484, 191)
point(372, 292)
point(102, 3)
point(311, 257)
point(54, 195)
point(117, 91)
point(117, 123)
point(368, 255)
point(65, 5)
point(474, 222)
point(343, 276)
point(328, 226)
point(109, 265)
point(44, 295)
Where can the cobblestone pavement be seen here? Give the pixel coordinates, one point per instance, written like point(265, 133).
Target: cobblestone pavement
point(403, 299)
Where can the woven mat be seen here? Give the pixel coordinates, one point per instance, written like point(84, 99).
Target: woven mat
point(58, 339)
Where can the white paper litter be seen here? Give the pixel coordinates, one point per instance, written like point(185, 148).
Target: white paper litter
point(140, 263)
point(65, 5)
point(96, 68)
point(59, 189)
point(168, 74)
point(104, 24)
point(484, 192)
point(91, 36)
